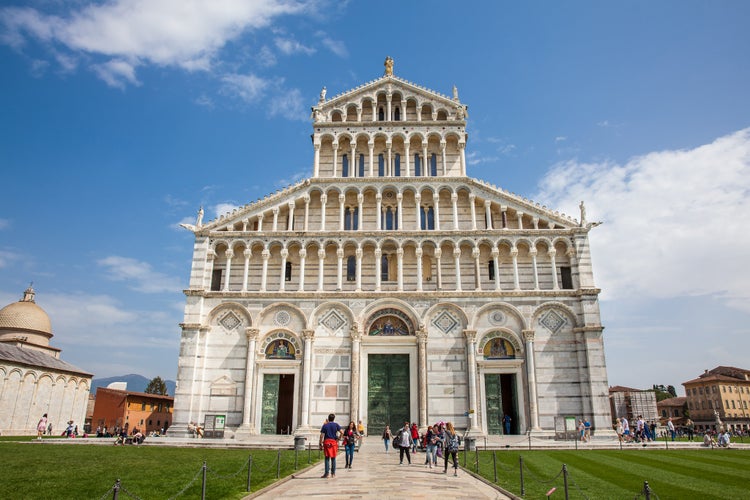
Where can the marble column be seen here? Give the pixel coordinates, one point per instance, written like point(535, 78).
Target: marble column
point(323, 201)
point(379, 210)
point(302, 256)
point(339, 268)
point(422, 376)
point(436, 202)
point(354, 391)
point(248, 427)
point(275, 211)
point(358, 253)
point(418, 253)
point(488, 213)
point(335, 157)
point(265, 255)
point(514, 256)
point(371, 146)
point(309, 336)
point(246, 272)
point(442, 155)
point(457, 261)
point(342, 198)
point(321, 267)
point(290, 222)
point(378, 268)
point(477, 272)
point(472, 205)
point(316, 160)
point(360, 204)
point(454, 200)
point(408, 161)
point(400, 259)
point(399, 199)
point(260, 222)
point(438, 268)
point(553, 267)
point(533, 253)
point(528, 337)
point(471, 339)
point(282, 280)
point(418, 211)
point(228, 254)
point(496, 264)
point(462, 151)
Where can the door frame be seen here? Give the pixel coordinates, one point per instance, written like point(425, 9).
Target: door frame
point(394, 345)
point(276, 368)
point(504, 367)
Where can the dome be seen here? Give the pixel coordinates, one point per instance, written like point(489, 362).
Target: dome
point(25, 316)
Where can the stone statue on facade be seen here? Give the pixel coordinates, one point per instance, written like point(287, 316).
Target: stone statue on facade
point(455, 93)
point(583, 214)
point(199, 219)
point(388, 66)
point(322, 95)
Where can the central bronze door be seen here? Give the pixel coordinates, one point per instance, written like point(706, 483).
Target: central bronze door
point(387, 391)
point(500, 399)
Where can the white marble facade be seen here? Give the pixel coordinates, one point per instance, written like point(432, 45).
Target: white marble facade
point(390, 248)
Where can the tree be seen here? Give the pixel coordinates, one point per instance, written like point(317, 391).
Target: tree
point(662, 392)
point(157, 386)
point(672, 391)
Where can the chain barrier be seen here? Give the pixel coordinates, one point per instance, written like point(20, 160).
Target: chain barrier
point(114, 488)
point(270, 468)
point(228, 476)
point(541, 481)
point(131, 495)
point(577, 487)
point(195, 478)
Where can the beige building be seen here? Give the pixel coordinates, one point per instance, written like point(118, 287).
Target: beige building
point(719, 397)
point(391, 286)
point(33, 378)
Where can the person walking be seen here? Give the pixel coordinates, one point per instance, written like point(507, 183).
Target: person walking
point(404, 443)
point(349, 439)
point(506, 423)
point(414, 437)
point(387, 436)
point(431, 447)
point(41, 426)
point(451, 442)
point(329, 443)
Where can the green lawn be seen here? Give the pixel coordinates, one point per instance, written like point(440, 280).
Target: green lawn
point(77, 471)
point(619, 474)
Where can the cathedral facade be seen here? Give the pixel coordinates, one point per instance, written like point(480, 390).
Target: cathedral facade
point(390, 287)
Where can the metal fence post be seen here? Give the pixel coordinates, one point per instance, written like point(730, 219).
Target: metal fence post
point(647, 490)
point(278, 464)
point(476, 456)
point(494, 463)
point(309, 453)
point(295, 458)
point(116, 490)
point(565, 480)
point(520, 461)
point(203, 488)
point(249, 471)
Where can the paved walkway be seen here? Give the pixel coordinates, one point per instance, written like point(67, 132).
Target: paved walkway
point(377, 474)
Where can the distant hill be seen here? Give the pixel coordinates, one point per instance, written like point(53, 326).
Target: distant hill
point(137, 383)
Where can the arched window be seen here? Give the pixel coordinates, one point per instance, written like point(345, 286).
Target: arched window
point(430, 218)
point(397, 115)
point(417, 165)
point(384, 276)
point(389, 218)
point(433, 165)
point(288, 272)
point(361, 165)
point(426, 268)
point(381, 114)
point(397, 172)
point(381, 165)
point(351, 268)
point(491, 270)
point(344, 166)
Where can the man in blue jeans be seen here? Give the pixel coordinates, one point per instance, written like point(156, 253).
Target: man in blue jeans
point(329, 442)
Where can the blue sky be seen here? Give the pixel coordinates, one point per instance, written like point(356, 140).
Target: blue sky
point(120, 118)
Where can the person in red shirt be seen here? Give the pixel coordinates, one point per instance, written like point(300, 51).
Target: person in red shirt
point(329, 442)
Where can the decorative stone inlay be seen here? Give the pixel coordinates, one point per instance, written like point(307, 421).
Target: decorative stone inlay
point(333, 320)
point(230, 321)
point(282, 318)
point(553, 321)
point(497, 318)
point(445, 322)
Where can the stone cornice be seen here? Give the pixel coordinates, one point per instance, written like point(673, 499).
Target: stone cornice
point(589, 328)
point(428, 295)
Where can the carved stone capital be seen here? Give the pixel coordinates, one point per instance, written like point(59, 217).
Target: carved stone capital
point(321, 254)
point(229, 253)
point(471, 335)
point(252, 333)
point(302, 253)
point(528, 335)
point(308, 334)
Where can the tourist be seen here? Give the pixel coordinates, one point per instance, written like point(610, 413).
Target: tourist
point(724, 439)
point(581, 431)
point(451, 442)
point(414, 437)
point(587, 430)
point(619, 429)
point(387, 437)
point(349, 440)
point(404, 442)
point(361, 429)
point(506, 423)
point(625, 429)
point(431, 440)
point(49, 429)
point(670, 428)
point(329, 443)
point(41, 427)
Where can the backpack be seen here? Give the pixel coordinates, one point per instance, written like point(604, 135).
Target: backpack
point(454, 441)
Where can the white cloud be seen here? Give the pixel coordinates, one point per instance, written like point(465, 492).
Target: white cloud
point(475, 158)
point(140, 275)
point(116, 73)
point(289, 105)
point(8, 257)
point(180, 33)
point(205, 101)
point(336, 46)
point(249, 88)
point(290, 46)
point(674, 221)
point(560, 138)
point(223, 208)
point(4, 224)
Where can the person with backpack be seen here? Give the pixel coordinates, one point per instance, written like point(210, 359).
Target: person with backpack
point(349, 440)
point(404, 442)
point(451, 441)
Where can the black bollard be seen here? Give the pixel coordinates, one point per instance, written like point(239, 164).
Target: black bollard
point(116, 490)
point(278, 464)
point(494, 463)
point(203, 488)
point(646, 490)
point(565, 480)
point(520, 461)
point(249, 471)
